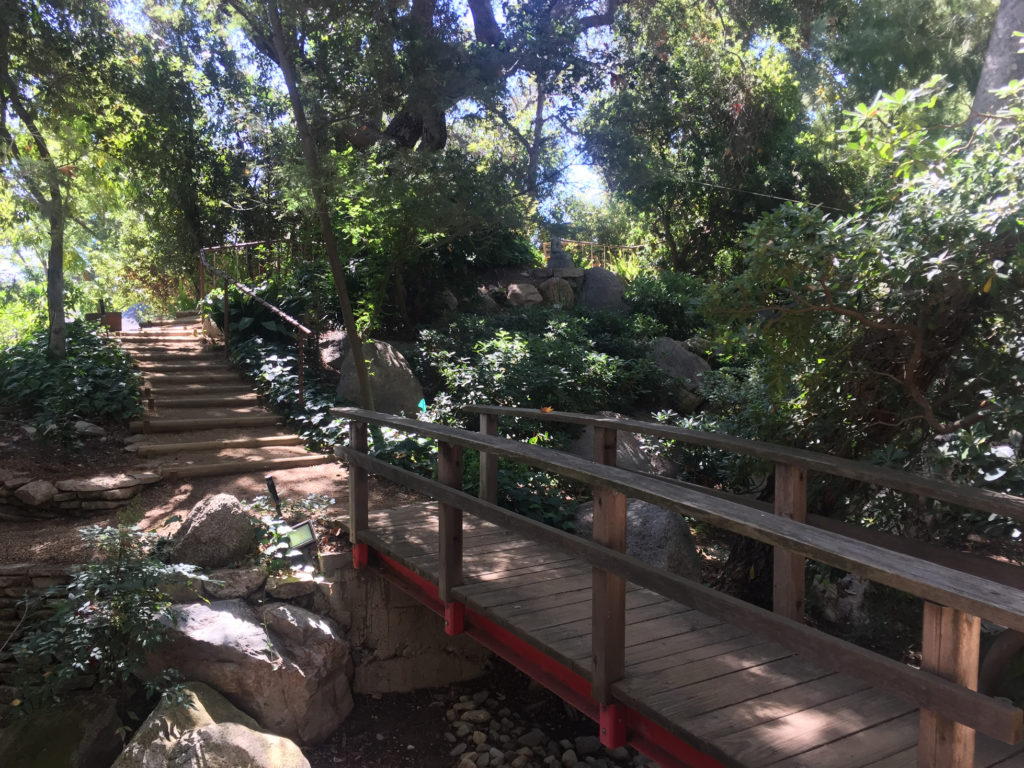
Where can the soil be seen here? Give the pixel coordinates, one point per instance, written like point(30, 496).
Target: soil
point(160, 505)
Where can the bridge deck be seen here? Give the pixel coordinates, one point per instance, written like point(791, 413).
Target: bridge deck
point(734, 696)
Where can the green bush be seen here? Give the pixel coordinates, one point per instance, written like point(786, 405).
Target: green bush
point(672, 299)
point(95, 380)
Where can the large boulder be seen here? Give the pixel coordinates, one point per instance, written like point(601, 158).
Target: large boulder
point(684, 369)
point(630, 452)
point(217, 532)
point(288, 668)
point(82, 732)
point(36, 493)
point(555, 290)
point(523, 294)
point(196, 705)
point(659, 537)
point(602, 290)
point(395, 388)
point(333, 348)
point(229, 745)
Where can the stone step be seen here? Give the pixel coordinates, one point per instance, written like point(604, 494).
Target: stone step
point(164, 449)
point(187, 425)
point(205, 401)
point(201, 390)
point(256, 464)
point(167, 379)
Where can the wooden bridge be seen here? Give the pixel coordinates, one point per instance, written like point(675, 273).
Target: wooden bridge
point(687, 675)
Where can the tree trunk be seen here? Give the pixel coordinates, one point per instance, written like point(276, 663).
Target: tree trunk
point(538, 137)
point(311, 158)
point(55, 276)
point(1002, 62)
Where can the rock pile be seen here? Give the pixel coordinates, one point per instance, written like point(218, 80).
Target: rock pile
point(486, 733)
point(23, 497)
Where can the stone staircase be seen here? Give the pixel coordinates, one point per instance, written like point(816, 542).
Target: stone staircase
point(201, 419)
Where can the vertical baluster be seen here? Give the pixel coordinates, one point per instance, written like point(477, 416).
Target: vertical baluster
point(791, 502)
point(358, 496)
point(608, 656)
point(950, 643)
point(488, 461)
point(226, 317)
point(449, 472)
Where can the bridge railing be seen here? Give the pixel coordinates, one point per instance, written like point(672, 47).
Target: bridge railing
point(944, 689)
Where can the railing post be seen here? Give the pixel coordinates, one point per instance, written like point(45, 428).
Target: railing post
point(608, 637)
point(488, 461)
point(791, 502)
point(449, 472)
point(302, 344)
point(358, 496)
point(202, 277)
point(226, 318)
point(950, 643)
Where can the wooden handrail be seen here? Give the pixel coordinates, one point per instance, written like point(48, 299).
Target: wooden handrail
point(979, 499)
point(981, 597)
point(993, 717)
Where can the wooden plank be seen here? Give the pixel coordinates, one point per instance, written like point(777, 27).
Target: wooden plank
point(776, 740)
point(450, 538)
point(670, 661)
point(987, 715)
point(739, 687)
point(531, 621)
point(859, 749)
point(902, 759)
point(781, 702)
point(497, 582)
point(790, 503)
point(950, 644)
point(664, 635)
point(488, 462)
point(540, 592)
point(553, 636)
point(931, 487)
point(933, 582)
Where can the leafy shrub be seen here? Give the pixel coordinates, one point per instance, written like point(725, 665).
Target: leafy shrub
point(112, 618)
point(95, 380)
point(673, 299)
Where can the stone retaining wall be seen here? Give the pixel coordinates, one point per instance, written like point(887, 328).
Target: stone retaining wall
point(25, 498)
point(20, 582)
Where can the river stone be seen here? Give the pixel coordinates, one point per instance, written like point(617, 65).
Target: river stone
point(217, 532)
point(395, 388)
point(555, 290)
point(288, 668)
point(82, 732)
point(602, 290)
point(36, 493)
point(658, 537)
point(523, 294)
point(90, 429)
point(199, 705)
point(230, 745)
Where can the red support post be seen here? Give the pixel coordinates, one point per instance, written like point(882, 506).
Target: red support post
point(358, 496)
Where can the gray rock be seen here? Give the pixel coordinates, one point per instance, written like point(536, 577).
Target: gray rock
point(659, 537)
point(602, 290)
point(555, 290)
point(37, 493)
point(630, 452)
point(199, 706)
point(333, 348)
point(842, 601)
point(395, 388)
point(230, 745)
point(674, 359)
point(287, 668)
point(448, 300)
point(80, 733)
point(89, 429)
point(290, 586)
point(217, 532)
point(233, 583)
point(587, 745)
point(523, 294)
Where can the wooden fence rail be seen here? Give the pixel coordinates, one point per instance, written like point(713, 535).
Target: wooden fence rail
point(944, 689)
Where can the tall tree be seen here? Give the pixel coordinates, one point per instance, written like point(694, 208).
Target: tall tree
point(52, 58)
point(1003, 61)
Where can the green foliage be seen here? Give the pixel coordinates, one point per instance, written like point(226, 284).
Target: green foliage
point(673, 299)
point(22, 309)
point(95, 380)
point(538, 358)
point(273, 528)
point(114, 615)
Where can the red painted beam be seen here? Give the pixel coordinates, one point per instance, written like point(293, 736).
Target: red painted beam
point(619, 723)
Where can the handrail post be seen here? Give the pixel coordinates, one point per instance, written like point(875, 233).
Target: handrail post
point(608, 626)
point(950, 644)
point(449, 472)
point(226, 353)
point(358, 496)
point(488, 461)
point(202, 277)
point(302, 343)
point(788, 577)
